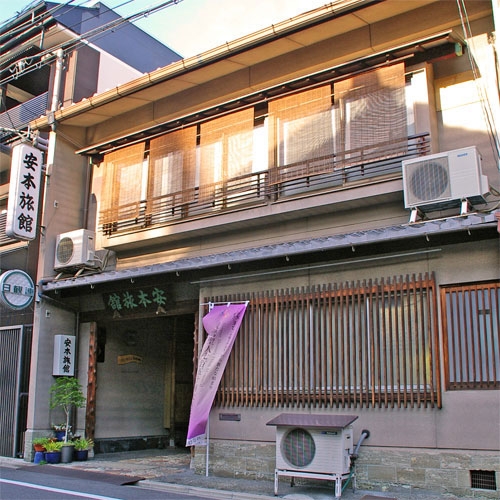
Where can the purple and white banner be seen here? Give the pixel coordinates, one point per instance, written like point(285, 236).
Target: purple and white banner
point(221, 324)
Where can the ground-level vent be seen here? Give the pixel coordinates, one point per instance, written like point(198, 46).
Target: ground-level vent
point(483, 479)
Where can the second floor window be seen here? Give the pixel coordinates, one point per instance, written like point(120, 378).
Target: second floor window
point(322, 137)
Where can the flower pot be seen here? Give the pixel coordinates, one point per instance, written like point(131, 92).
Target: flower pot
point(81, 455)
point(60, 435)
point(39, 447)
point(39, 457)
point(53, 457)
point(67, 451)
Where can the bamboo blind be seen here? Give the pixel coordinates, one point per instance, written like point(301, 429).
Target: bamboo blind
point(226, 150)
point(371, 109)
point(308, 137)
point(122, 184)
point(471, 326)
point(363, 344)
point(173, 164)
point(300, 127)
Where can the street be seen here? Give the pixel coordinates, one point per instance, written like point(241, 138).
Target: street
point(21, 484)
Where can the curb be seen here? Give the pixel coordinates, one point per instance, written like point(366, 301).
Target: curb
point(205, 492)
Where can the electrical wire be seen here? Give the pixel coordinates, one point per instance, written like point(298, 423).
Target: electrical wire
point(48, 55)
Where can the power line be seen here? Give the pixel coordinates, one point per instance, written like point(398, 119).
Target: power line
point(45, 57)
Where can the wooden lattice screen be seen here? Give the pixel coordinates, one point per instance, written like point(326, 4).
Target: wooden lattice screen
point(471, 326)
point(363, 344)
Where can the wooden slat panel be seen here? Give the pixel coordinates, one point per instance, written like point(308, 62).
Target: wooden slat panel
point(372, 344)
point(471, 325)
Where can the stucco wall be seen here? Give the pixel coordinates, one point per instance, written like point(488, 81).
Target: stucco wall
point(462, 411)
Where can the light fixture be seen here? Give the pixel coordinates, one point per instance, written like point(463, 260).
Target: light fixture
point(116, 314)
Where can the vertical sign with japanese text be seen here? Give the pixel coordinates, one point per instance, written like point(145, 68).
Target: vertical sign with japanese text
point(64, 355)
point(24, 192)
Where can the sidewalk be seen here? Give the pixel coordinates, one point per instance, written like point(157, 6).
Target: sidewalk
point(169, 470)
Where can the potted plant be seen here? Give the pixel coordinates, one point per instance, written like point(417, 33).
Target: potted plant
point(67, 451)
point(59, 431)
point(39, 443)
point(82, 447)
point(53, 452)
point(66, 393)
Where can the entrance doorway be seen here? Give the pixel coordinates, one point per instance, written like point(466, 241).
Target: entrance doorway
point(144, 382)
point(179, 379)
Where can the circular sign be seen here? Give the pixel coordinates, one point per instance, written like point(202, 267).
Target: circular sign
point(16, 289)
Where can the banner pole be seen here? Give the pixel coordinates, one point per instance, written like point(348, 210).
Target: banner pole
point(208, 446)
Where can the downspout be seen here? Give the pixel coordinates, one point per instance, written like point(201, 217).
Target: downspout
point(56, 90)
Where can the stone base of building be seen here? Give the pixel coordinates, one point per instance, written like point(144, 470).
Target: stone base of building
point(379, 469)
point(116, 445)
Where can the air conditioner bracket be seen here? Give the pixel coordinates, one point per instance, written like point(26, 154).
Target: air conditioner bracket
point(465, 207)
point(338, 478)
point(415, 214)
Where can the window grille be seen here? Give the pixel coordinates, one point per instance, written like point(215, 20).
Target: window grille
point(370, 344)
point(471, 319)
point(483, 480)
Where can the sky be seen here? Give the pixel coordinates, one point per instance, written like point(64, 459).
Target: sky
point(191, 27)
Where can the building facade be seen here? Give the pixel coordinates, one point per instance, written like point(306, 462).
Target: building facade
point(51, 56)
point(340, 172)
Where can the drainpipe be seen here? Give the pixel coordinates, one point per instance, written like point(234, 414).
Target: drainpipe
point(56, 91)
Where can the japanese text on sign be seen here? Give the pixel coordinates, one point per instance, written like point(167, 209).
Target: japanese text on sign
point(24, 192)
point(136, 300)
point(64, 355)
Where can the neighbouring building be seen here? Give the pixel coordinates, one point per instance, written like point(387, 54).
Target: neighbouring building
point(340, 172)
point(51, 56)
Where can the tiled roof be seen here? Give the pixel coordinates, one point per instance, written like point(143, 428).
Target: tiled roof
point(467, 222)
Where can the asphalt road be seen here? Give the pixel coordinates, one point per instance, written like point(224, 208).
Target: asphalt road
point(18, 484)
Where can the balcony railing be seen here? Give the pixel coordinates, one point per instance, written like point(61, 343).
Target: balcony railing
point(329, 173)
point(19, 116)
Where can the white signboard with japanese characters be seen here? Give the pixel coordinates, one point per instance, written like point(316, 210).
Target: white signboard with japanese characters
point(64, 355)
point(24, 192)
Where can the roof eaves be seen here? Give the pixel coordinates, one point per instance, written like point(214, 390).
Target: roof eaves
point(337, 241)
point(187, 65)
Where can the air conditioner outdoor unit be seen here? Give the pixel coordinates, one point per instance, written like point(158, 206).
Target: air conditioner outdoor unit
point(444, 180)
point(313, 446)
point(75, 249)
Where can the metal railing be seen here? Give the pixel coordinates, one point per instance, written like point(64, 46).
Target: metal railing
point(329, 173)
point(19, 116)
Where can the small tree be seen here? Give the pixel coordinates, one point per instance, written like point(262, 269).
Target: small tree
point(66, 392)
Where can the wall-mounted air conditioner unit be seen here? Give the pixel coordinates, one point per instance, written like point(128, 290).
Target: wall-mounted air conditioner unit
point(75, 249)
point(313, 446)
point(444, 180)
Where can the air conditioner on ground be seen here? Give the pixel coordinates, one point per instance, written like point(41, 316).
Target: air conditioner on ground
point(314, 446)
point(444, 180)
point(75, 249)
